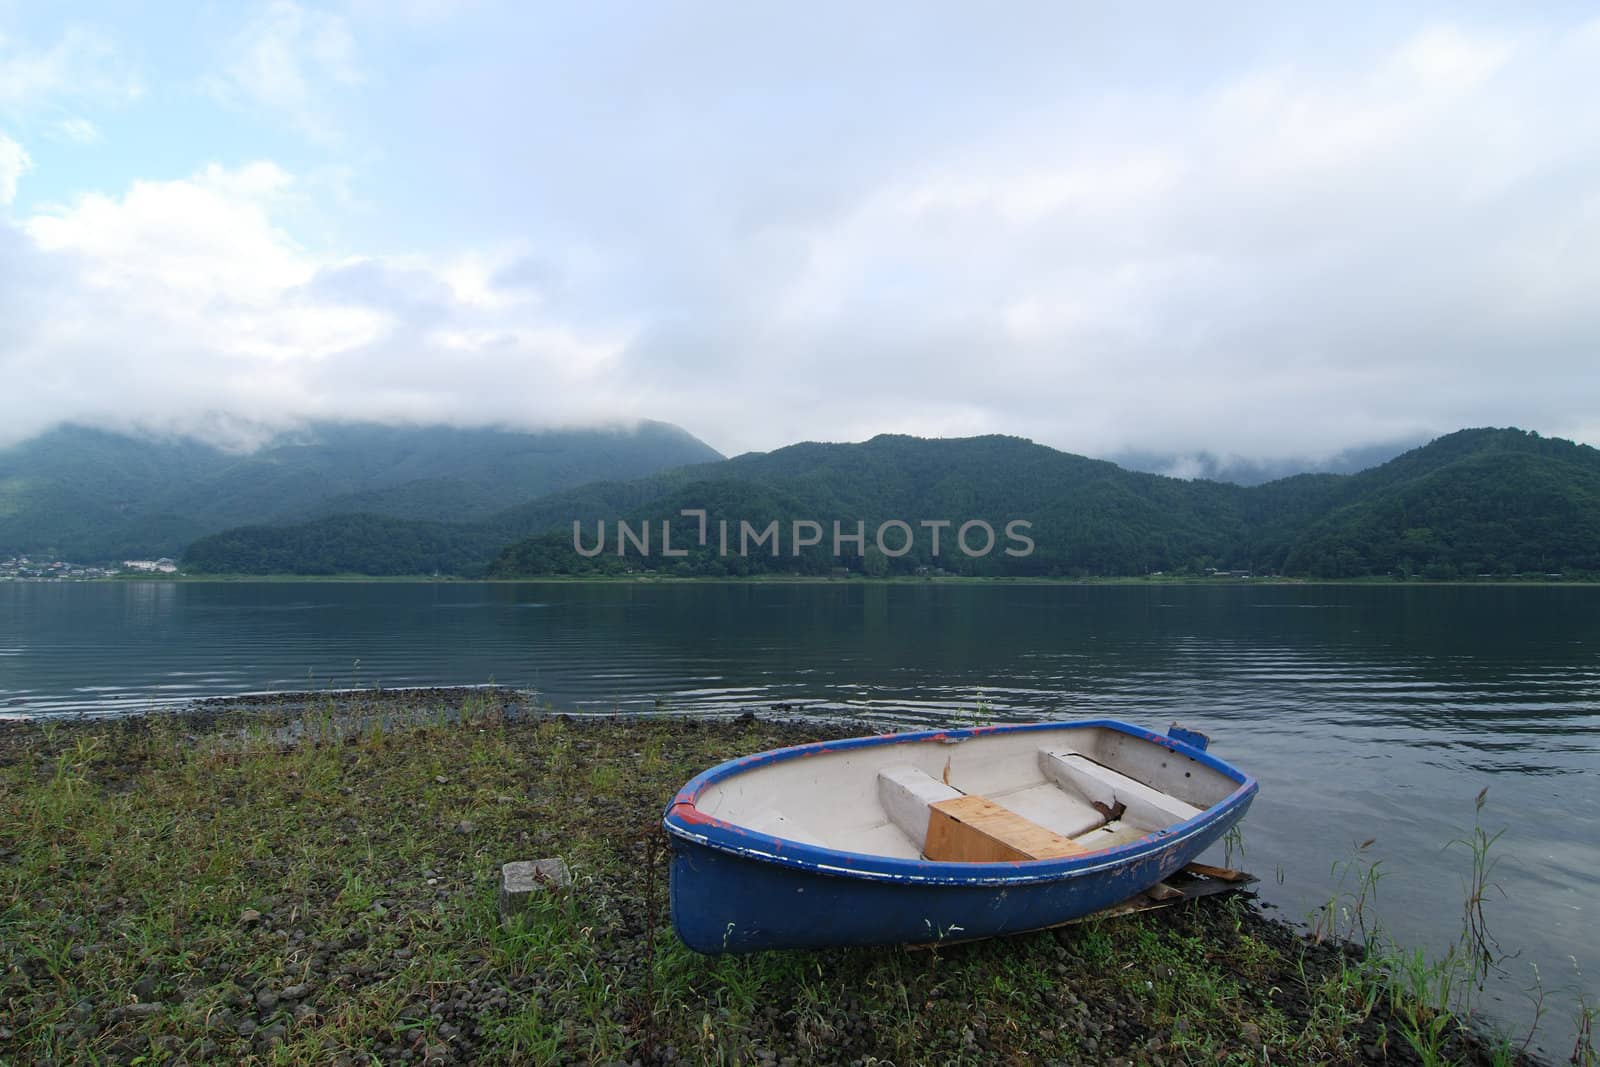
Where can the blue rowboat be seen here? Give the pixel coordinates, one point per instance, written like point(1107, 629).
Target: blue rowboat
point(942, 835)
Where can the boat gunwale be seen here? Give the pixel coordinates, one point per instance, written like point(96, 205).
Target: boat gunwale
point(685, 822)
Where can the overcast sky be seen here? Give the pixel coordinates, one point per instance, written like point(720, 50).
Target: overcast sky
point(1277, 233)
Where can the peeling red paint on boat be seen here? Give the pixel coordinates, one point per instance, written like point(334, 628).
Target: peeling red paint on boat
point(686, 812)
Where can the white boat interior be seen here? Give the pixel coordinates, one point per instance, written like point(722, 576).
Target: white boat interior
point(1029, 794)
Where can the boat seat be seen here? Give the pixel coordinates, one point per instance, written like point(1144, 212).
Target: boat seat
point(1107, 789)
point(907, 793)
point(952, 826)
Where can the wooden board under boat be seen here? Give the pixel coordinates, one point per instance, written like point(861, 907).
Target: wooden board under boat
point(945, 834)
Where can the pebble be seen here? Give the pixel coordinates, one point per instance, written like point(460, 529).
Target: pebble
point(142, 1010)
point(295, 992)
point(266, 1001)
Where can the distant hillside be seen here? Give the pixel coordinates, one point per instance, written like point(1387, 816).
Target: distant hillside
point(91, 495)
point(1088, 516)
point(1478, 501)
point(1494, 502)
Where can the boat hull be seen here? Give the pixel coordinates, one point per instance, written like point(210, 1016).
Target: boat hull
point(735, 891)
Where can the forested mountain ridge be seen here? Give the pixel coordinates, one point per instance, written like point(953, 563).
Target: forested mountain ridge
point(94, 495)
point(888, 475)
point(1485, 501)
point(1473, 502)
point(1116, 521)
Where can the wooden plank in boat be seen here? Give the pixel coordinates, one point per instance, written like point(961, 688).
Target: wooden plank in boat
point(973, 829)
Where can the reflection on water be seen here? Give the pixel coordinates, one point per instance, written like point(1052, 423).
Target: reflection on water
point(1364, 711)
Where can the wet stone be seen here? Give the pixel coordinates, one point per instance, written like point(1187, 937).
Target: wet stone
point(144, 1010)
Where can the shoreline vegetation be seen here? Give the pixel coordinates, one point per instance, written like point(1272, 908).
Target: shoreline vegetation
point(311, 878)
point(823, 579)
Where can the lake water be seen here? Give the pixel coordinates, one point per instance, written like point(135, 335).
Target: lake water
point(1366, 712)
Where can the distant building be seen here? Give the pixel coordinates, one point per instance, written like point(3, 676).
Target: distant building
point(151, 566)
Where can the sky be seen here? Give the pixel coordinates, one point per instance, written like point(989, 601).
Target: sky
point(1278, 231)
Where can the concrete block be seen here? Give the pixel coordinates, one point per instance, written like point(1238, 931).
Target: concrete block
point(521, 880)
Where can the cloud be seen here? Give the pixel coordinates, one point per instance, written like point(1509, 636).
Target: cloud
point(78, 130)
point(1266, 238)
point(84, 64)
point(1290, 262)
point(287, 62)
point(181, 299)
point(14, 163)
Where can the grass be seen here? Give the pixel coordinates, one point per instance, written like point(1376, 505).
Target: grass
point(184, 890)
point(1430, 1000)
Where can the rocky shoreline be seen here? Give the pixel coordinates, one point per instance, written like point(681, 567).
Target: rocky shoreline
point(311, 878)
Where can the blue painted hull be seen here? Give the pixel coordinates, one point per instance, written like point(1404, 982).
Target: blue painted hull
point(734, 891)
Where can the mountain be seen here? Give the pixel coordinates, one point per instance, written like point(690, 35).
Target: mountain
point(1086, 515)
point(90, 495)
point(385, 545)
point(1495, 502)
point(1486, 501)
point(1477, 501)
point(1122, 515)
